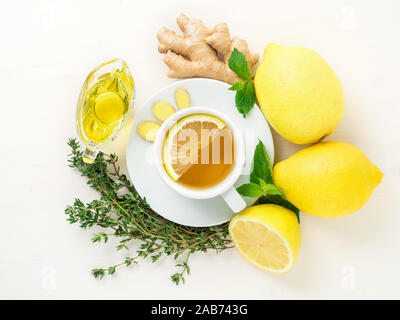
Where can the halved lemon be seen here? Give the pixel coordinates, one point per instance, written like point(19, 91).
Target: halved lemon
point(268, 236)
point(174, 164)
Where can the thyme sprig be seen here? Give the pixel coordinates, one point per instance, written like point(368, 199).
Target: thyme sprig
point(123, 214)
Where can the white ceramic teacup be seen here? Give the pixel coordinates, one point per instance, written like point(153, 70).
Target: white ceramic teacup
point(226, 187)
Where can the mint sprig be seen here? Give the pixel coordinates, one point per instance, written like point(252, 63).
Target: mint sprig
point(245, 91)
point(262, 185)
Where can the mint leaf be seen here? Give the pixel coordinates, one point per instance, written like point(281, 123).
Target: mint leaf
point(237, 86)
point(277, 199)
point(274, 190)
point(237, 63)
point(262, 184)
point(245, 98)
point(270, 188)
point(251, 190)
point(262, 168)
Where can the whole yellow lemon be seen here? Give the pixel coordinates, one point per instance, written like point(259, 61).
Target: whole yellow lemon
point(299, 93)
point(328, 179)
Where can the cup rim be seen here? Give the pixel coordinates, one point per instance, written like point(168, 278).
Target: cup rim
point(217, 189)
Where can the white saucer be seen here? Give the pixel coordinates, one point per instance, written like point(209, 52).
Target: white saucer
point(143, 172)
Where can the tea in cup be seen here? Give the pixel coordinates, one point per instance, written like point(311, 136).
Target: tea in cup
point(200, 154)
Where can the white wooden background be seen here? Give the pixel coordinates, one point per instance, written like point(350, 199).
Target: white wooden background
point(46, 50)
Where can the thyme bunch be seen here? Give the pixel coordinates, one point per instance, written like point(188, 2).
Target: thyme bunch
point(120, 212)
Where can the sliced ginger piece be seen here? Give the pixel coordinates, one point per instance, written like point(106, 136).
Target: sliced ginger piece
point(148, 130)
point(201, 52)
point(182, 98)
point(162, 110)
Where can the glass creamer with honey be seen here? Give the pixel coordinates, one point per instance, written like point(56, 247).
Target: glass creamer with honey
point(105, 103)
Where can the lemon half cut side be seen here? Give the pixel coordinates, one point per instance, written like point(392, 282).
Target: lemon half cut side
point(268, 236)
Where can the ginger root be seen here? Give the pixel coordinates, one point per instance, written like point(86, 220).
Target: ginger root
point(148, 130)
point(182, 98)
point(162, 110)
point(201, 52)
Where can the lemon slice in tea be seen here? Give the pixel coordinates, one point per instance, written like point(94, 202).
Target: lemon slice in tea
point(174, 166)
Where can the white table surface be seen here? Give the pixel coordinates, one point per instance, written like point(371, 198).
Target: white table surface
point(46, 50)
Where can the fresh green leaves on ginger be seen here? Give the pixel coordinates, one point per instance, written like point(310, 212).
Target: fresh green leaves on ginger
point(121, 213)
point(262, 185)
point(245, 91)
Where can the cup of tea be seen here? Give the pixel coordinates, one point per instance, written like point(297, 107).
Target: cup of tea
point(199, 152)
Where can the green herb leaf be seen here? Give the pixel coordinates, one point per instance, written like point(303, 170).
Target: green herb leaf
point(270, 188)
point(237, 86)
point(262, 184)
point(98, 273)
point(251, 190)
point(245, 97)
point(277, 199)
point(111, 270)
point(262, 168)
point(238, 64)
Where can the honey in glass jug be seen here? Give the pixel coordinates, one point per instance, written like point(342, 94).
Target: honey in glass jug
point(104, 106)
